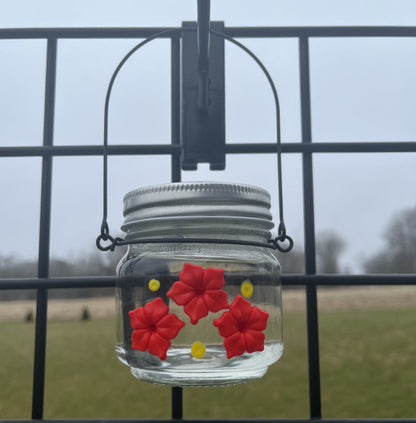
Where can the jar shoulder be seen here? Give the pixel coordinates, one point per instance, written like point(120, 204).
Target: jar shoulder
point(171, 259)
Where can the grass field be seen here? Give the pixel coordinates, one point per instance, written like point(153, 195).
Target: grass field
point(368, 368)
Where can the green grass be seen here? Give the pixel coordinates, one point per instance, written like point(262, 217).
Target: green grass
point(368, 368)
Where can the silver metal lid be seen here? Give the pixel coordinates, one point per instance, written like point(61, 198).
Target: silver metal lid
point(197, 201)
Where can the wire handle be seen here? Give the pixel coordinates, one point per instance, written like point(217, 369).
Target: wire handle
point(283, 242)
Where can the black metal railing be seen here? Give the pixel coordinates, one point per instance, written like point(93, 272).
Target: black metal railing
point(307, 148)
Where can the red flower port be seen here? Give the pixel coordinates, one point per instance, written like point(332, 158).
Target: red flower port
point(199, 291)
point(242, 327)
point(154, 327)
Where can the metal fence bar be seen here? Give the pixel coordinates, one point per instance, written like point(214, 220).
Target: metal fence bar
point(410, 420)
point(44, 236)
point(177, 403)
point(89, 150)
point(324, 147)
point(175, 110)
point(309, 228)
point(231, 148)
point(287, 280)
point(330, 31)
point(177, 397)
point(82, 33)
point(243, 32)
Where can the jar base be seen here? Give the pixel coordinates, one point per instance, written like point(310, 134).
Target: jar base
point(181, 369)
point(200, 379)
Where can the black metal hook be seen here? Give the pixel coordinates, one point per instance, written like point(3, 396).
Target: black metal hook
point(282, 237)
point(114, 242)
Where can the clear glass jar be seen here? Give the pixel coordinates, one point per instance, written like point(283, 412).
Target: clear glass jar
point(192, 313)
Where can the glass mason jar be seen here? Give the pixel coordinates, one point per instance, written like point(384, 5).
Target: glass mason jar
point(198, 313)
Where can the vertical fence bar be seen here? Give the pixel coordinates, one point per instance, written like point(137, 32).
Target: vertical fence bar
point(309, 228)
point(175, 106)
point(44, 236)
point(177, 400)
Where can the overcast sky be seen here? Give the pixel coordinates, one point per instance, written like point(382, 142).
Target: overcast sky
point(361, 90)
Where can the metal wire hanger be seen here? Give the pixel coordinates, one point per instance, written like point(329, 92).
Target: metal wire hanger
point(283, 242)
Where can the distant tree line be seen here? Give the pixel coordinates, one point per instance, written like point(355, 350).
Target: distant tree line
point(93, 264)
point(397, 256)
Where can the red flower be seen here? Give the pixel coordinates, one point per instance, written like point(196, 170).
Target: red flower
point(154, 327)
point(242, 327)
point(199, 291)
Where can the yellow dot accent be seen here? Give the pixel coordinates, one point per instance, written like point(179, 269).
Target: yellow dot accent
point(246, 289)
point(198, 349)
point(154, 285)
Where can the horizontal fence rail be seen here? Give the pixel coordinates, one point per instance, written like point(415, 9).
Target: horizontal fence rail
point(237, 32)
point(305, 146)
point(222, 420)
point(232, 148)
point(287, 280)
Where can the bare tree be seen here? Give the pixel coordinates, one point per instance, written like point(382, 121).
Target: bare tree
point(329, 247)
point(399, 254)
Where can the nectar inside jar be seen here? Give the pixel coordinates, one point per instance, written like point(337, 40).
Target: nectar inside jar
point(198, 313)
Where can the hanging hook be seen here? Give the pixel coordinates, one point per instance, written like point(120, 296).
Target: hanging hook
point(278, 242)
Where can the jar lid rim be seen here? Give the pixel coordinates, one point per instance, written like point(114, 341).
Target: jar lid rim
point(189, 192)
point(180, 205)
